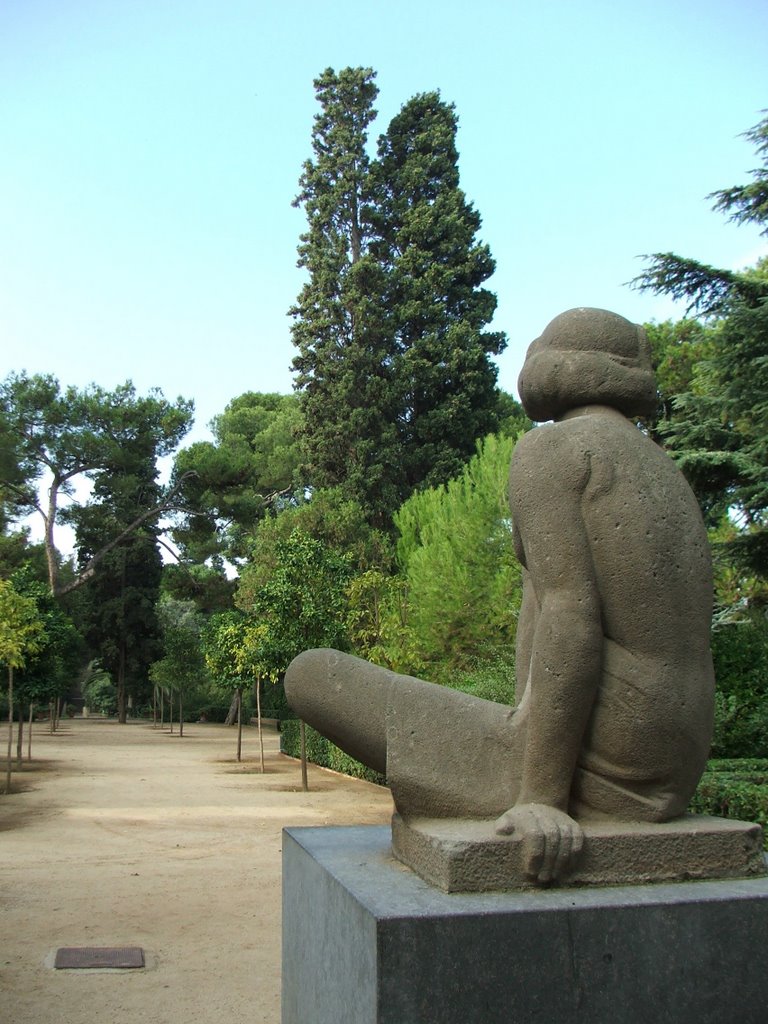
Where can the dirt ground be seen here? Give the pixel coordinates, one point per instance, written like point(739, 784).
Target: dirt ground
point(131, 836)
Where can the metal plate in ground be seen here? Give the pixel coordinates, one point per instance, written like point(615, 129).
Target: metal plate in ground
point(81, 957)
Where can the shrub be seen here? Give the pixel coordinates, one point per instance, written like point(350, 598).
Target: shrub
point(735, 788)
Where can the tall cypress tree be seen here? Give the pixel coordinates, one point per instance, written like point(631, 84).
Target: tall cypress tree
point(344, 360)
point(394, 363)
point(438, 310)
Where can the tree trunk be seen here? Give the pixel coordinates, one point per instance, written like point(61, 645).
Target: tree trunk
point(303, 734)
point(170, 709)
point(181, 714)
point(154, 707)
point(239, 723)
point(10, 730)
point(51, 716)
point(232, 713)
point(20, 738)
point(122, 705)
point(258, 722)
point(29, 731)
point(10, 727)
point(162, 708)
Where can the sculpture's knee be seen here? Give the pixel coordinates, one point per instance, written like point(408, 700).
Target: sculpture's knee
point(303, 679)
point(345, 699)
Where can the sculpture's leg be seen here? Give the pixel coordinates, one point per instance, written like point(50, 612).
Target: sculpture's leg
point(345, 699)
point(445, 753)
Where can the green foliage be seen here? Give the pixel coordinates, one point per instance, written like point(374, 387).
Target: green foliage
point(436, 306)
point(393, 361)
point(377, 622)
point(344, 355)
point(49, 671)
point(327, 516)
point(21, 627)
point(302, 604)
point(16, 552)
point(72, 433)
point(490, 675)
point(678, 348)
point(182, 668)
point(727, 795)
point(206, 585)
point(716, 425)
point(740, 651)
point(513, 420)
point(322, 752)
point(229, 484)
point(98, 690)
point(223, 643)
point(457, 555)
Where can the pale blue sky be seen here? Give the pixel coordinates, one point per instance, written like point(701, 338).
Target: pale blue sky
point(151, 149)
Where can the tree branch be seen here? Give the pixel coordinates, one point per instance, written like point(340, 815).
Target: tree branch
point(151, 513)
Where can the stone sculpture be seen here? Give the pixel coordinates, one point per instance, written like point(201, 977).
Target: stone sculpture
point(615, 683)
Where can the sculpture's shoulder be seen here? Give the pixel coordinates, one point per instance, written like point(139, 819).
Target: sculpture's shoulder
point(553, 455)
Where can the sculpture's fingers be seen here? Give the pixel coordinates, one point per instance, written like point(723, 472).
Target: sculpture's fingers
point(563, 860)
point(534, 849)
point(552, 841)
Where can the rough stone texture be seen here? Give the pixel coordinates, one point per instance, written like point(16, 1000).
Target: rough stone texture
point(469, 856)
point(377, 945)
point(615, 685)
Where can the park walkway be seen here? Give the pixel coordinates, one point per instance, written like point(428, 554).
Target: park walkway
point(130, 836)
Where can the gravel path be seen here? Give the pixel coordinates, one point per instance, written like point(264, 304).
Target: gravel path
point(130, 836)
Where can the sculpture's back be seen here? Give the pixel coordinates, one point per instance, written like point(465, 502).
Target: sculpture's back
point(615, 693)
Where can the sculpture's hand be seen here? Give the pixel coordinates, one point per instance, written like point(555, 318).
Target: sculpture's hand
point(551, 839)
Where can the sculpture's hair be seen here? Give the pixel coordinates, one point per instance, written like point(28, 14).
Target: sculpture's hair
point(587, 357)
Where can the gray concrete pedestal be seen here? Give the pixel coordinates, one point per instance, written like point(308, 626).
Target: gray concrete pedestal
point(365, 941)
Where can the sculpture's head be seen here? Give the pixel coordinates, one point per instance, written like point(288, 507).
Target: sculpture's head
point(588, 357)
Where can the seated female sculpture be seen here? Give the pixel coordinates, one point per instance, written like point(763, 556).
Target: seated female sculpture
point(614, 673)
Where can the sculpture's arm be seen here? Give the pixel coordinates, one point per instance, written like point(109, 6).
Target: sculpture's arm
point(548, 479)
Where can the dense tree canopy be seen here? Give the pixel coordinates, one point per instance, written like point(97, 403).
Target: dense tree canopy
point(231, 482)
point(436, 306)
point(50, 437)
point(716, 426)
point(118, 608)
point(393, 362)
point(344, 357)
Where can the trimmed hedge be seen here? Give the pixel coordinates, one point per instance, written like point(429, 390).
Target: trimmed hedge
point(735, 788)
point(322, 752)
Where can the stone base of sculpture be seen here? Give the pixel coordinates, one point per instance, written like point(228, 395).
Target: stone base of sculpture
point(468, 856)
point(366, 941)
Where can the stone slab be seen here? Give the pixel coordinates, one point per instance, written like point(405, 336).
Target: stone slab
point(468, 856)
point(366, 941)
point(89, 957)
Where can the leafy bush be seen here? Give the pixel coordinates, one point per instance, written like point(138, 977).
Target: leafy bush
point(491, 677)
point(99, 692)
point(740, 651)
point(735, 788)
